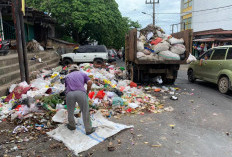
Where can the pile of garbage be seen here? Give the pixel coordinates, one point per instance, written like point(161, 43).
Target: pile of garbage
point(34, 46)
point(154, 45)
point(35, 104)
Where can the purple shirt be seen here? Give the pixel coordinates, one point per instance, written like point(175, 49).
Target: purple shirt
point(76, 81)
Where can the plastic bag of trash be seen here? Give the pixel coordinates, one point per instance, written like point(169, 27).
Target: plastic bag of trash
point(117, 101)
point(174, 41)
point(191, 58)
point(140, 54)
point(142, 38)
point(178, 49)
point(168, 55)
point(40, 83)
point(156, 41)
point(12, 87)
point(163, 46)
point(150, 35)
point(159, 34)
point(133, 105)
point(140, 46)
point(100, 94)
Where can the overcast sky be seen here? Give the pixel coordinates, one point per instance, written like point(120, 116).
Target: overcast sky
point(134, 8)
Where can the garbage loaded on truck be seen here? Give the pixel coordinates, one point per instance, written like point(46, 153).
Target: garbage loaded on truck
point(150, 53)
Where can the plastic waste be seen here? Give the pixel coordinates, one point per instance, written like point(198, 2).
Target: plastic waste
point(174, 98)
point(140, 46)
point(19, 129)
point(174, 41)
point(156, 41)
point(132, 84)
point(117, 101)
point(168, 55)
point(91, 95)
point(59, 106)
point(133, 105)
point(178, 49)
point(191, 58)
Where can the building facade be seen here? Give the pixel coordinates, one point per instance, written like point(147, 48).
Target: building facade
point(201, 15)
point(186, 14)
point(38, 25)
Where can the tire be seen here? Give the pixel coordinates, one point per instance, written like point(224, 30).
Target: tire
point(191, 77)
point(96, 61)
point(170, 81)
point(223, 85)
point(67, 61)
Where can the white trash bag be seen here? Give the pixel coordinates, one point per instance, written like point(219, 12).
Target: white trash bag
point(163, 46)
point(178, 49)
point(191, 58)
point(140, 54)
point(168, 55)
point(174, 41)
point(140, 46)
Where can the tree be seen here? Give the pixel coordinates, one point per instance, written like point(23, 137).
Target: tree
point(98, 20)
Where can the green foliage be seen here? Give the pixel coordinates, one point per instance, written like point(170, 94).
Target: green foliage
point(52, 100)
point(99, 20)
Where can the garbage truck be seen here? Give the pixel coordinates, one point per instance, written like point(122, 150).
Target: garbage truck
point(145, 69)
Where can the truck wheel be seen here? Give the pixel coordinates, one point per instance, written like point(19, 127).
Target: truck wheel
point(133, 74)
point(67, 61)
point(191, 77)
point(98, 61)
point(223, 85)
point(170, 81)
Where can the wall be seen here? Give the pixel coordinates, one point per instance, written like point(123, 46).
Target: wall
point(213, 19)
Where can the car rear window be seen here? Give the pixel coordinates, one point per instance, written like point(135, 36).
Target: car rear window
point(90, 48)
point(229, 55)
point(219, 54)
point(101, 49)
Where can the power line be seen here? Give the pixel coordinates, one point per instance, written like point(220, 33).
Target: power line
point(200, 10)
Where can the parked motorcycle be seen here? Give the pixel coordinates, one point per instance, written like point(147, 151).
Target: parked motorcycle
point(4, 47)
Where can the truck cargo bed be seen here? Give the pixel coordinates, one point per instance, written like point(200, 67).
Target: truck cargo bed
point(137, 61)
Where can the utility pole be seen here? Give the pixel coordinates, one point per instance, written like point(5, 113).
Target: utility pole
point(2, 32)
point(153, 2)
point(20, 39)
point(24, 42)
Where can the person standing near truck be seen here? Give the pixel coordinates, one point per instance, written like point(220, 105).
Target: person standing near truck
point(75, 92)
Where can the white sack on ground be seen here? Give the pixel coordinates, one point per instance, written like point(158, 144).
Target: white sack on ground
point(78, 141)
point(174, 41)
point(178, 49)
point(168, 55)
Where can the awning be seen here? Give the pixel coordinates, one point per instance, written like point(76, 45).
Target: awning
point(213, 39)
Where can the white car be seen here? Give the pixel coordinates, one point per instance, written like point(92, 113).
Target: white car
point(86, 54)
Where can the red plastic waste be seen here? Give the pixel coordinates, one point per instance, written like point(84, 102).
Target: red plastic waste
point(17, 93)
point(156, 41)
point(132, 84)
point(91, 95)
point(122, 89)
point(100, 94)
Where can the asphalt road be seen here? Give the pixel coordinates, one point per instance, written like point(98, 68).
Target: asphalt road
point(202, 118)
